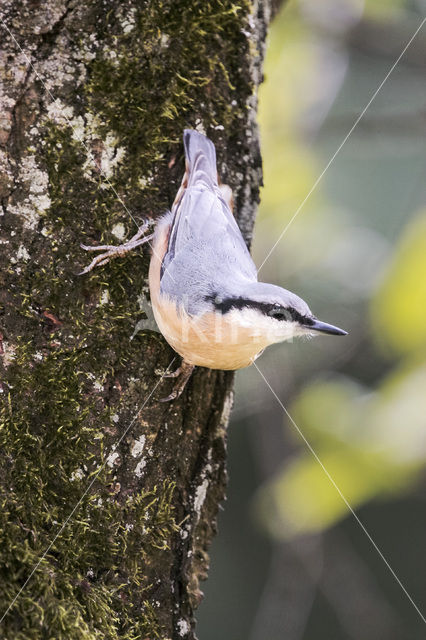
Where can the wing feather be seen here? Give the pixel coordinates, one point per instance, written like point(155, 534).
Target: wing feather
point(206, 249)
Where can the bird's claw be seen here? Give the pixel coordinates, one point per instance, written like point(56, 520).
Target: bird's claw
point(170, 397)
point(184, 373)
point(165, 374)
point(110, 251)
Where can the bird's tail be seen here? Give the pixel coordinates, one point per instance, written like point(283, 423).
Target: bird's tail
point(200, 157)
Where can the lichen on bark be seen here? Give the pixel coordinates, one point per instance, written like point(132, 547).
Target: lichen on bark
point(108, 497)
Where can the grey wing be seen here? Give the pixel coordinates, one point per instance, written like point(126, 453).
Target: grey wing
point(206, 248)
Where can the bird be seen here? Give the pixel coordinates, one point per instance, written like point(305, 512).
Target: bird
point(205, 294)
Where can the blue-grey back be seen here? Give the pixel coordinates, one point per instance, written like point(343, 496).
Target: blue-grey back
point(207, 253)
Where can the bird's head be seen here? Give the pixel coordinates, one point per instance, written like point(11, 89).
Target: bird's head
point(272, 313)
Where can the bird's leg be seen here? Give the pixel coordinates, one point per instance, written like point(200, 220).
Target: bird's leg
point(111, 251)
point(183, 373)
point(171, 374)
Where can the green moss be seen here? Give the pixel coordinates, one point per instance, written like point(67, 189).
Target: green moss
point(168, 73)
point(93, 578)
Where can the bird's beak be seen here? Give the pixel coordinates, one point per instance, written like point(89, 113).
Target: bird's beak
point(323, 327)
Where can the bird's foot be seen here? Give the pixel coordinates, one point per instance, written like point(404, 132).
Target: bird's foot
point(183, 373)
point(111, 251)
point(168, 374)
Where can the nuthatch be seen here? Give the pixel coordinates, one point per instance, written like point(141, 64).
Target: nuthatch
point(205, 294)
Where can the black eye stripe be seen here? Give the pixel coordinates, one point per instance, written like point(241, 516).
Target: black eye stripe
point(224, 305)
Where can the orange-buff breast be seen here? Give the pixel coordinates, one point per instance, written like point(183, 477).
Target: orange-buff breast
point(211, 340)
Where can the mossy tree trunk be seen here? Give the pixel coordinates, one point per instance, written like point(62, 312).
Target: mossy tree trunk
point(108, 497)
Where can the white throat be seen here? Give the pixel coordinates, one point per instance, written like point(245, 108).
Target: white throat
point(265, 329)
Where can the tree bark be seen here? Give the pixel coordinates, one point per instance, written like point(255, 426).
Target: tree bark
point(108, 497)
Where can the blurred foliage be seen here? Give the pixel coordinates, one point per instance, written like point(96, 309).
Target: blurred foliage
point(288, 71)
point(370, 442)
point(355, 249)
point(384, 9)
point(399, 307)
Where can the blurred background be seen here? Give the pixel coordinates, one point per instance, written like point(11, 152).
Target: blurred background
point(291, 561)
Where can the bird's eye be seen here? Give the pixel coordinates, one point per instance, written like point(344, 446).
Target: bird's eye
point(279, 313)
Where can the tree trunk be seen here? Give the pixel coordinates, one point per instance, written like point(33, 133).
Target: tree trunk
point(108, 497)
